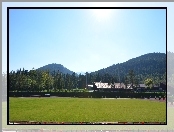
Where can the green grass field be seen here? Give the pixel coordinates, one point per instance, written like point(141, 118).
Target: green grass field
point(86, 109)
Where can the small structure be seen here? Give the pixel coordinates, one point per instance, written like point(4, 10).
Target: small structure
point(100, 86)
point(90, 87)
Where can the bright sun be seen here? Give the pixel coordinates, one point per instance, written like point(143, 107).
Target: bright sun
point(102, 14)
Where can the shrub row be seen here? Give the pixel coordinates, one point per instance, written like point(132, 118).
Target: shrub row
point(87, 94)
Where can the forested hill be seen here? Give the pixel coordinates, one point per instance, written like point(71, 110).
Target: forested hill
point(135, 71)
point(152, 64)
point(55, 67)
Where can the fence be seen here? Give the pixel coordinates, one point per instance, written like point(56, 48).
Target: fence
point(87, 94)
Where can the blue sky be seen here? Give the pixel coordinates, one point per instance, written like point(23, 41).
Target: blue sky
point(83, 40)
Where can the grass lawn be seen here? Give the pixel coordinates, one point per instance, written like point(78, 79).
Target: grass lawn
point(85, 109)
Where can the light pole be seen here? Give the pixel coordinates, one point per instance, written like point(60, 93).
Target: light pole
point(86, 80)
point(119, 75)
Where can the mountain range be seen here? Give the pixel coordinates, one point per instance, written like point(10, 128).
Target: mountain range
point(83, 73)
point(55, 67)
point(144, 64)
point(151, 63)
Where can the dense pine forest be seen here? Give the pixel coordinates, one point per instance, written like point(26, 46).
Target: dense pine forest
point(152, 65)
point(55, 77)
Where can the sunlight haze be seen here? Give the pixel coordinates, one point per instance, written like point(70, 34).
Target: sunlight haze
point(83, 39)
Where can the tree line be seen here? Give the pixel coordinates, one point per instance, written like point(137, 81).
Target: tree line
point(39, 80)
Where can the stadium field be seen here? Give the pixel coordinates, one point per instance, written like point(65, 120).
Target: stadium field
point(86, 110)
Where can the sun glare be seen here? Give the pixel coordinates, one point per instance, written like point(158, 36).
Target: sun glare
point(102, 14)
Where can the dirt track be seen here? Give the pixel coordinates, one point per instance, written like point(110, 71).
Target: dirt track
point(151, 99)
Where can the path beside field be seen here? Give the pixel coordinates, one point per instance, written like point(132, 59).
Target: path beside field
point(151, 99)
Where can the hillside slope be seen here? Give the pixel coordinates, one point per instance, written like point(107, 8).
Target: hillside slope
point(55, 67)
point(148, 64)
